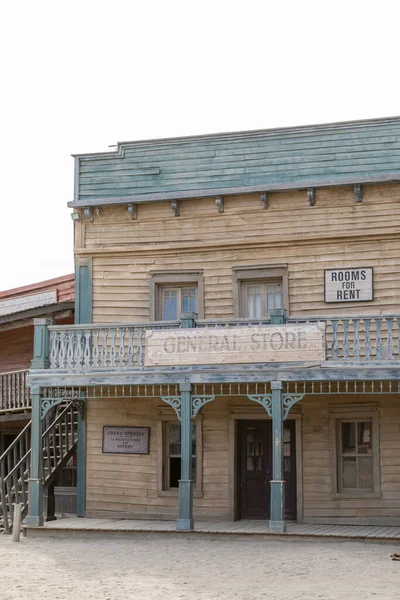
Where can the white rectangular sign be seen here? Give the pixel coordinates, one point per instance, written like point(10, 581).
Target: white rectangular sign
point(219, 345)
point(349, 285)
point(126, 440)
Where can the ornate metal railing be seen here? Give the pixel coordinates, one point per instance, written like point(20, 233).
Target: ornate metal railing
point(116, 346)
point(59, 442)
point(14, 393)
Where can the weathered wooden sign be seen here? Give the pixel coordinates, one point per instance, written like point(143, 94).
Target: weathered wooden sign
point(349, 285)
point(126, 440)
point(218, 345)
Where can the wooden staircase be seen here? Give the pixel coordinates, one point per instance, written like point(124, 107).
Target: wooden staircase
point(59, 443)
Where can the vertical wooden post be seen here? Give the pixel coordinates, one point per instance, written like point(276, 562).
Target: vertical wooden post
point(277, 316)
point(277, 520)
point(81, 464)
point(188, 320)
point(35, 516)
point(17, 522)
point(41, 344)
point(185, 503)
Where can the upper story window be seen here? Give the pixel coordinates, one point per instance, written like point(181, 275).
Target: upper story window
point(175, 300)
point(258, 290)
point(259, 298)
point(175, 292)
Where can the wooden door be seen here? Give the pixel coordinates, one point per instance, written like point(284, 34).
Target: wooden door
point(255, 469)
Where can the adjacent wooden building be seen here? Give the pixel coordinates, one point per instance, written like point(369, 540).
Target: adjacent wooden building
point(236, 347)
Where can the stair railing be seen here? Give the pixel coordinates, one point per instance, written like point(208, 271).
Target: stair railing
point(59, 443)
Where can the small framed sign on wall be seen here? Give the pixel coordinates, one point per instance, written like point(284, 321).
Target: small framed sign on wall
point(349, 285)
point(126, 440)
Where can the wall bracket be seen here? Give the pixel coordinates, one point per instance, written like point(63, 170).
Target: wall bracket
point(311, 196)
point(358, 192)
point(176, 208)
point(264, 199)
point(132, 211)
point(219, 201)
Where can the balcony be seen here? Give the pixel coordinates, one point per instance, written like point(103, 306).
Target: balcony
point(14, 393)
point(372, 340)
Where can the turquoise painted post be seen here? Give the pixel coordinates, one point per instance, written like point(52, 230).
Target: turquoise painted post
point(83, 315)
point(188, 320)
point(41, 344)
point(35, 516)
point(277, 520)
point(185, 502)
point(81, 463)
point(277, 316)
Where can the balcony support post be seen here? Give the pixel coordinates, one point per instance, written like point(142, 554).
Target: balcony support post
point(277, 520)
point(81, 462)
point(35, 516)
point(185, 501)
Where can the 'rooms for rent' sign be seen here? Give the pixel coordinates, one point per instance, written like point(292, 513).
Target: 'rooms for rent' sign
point(349, 285)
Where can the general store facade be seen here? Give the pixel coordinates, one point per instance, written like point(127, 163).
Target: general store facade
point(236, 347)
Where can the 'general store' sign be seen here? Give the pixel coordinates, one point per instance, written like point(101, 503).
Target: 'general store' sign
point(219, 345)
point(349, 285)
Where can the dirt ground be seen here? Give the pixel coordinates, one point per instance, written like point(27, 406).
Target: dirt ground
point(163, 567)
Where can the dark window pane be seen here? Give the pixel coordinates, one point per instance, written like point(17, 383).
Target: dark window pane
point(175, 439)
point(365, 480)
point(174, 472)
point(349, 473)
point(194, 469)
point(349, 438)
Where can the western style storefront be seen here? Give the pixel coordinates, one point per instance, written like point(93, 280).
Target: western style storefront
point(314, 441)
point(236, 346)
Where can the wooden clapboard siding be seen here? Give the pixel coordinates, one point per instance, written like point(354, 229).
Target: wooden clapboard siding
point(127, 484)
point(16, 349)
point(344, 233)
point(320, 505)
point(364, 150)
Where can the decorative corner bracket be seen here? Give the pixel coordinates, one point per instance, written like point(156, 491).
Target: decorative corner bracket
point(80, 407)
point(219, 201)
point(358, 192)
point(264, 199)
point(176, 208)
point(175, 402)
point(88, 212)
point(265, 401)
point(311, 196)
point(198, 403)
point(63, 396)
point(132, 211)
point(290, 400)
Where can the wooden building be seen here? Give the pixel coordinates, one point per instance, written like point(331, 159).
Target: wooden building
point(237, 337)
point(51, 299)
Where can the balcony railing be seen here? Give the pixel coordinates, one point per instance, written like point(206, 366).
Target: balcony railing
point(14, 393)
point(371, 339)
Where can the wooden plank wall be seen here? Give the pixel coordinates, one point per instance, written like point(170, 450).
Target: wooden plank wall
point(126, 485)
point(319, 504)
point(337, 232)
point(16, 349)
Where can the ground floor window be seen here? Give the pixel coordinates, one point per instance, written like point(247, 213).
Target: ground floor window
point(355, 452)
point(172, 468)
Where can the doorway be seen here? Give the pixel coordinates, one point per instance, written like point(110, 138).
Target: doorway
point(254, 464)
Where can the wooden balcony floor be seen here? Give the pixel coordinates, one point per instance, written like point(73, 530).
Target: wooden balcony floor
point(75, 526)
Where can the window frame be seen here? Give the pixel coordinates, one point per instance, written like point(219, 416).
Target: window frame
point(174, 279)
point(258, 274)
point(350, 413)
point(162, 455)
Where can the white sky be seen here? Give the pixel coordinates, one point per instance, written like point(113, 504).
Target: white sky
point(77, 76)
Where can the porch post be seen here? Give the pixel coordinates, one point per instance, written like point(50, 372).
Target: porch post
point(81, 462)
point(185, 503)
point(35, 516)
point(277, 520)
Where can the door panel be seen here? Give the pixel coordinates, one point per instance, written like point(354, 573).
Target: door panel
point(255, 469)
